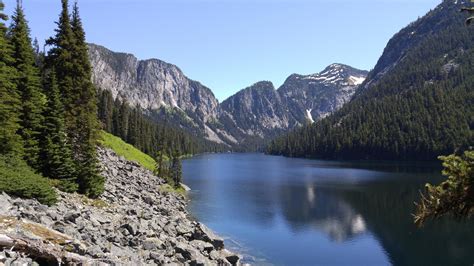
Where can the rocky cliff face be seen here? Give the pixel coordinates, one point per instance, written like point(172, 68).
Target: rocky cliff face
point(133, 223)
point(315, 96)
point(154, 85)
point(257, 112)
point(260, 110)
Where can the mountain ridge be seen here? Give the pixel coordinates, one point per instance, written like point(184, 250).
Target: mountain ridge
point(415, 104)
point(167, 94)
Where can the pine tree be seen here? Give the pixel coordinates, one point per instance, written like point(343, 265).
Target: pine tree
point(28, 85)
point(123, 120)
point(85, 110)
point(106, 109)
point(56, 156)
point(10, 142)
point(176, 170)
point(60, 56)
point(69, 58)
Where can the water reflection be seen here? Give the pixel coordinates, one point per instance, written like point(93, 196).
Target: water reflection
point(320, 209)
point(303, 212)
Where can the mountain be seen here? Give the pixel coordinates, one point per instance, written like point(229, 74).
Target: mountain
point(254, 113)
point(417, 102)
point(156, 86)
point(315, 96)
point(262, 111)
point(245, 119)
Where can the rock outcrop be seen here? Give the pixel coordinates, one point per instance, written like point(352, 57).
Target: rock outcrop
point(252, 114)
point(135, 222)
point(262, 111)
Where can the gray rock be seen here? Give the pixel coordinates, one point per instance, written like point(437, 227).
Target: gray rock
point(53, 215)
point(153, 244)
point(71, 217)
point(219, 258)
point(5, 204)
point(95, 251)
point(148, 199)
point(170, 229)
point(180, 258)
point(138, 226)
point(131, 228)
point(182, 229)
point(205, 234)
point(46, 220)
point(202, 246)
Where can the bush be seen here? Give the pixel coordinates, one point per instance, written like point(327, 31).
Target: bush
point(455, 196)
point(18, 179)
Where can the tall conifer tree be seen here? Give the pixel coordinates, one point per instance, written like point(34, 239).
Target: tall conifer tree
point(10, 142)
point(60, 55)
point(69, 56)
point(28, 85)
point(56, 156)
point(85, 110)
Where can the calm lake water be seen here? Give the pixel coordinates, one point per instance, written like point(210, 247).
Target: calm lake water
point(285, 211)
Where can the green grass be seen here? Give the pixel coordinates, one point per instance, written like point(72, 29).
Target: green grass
point(18, 179)
point(126, 150)
point(171, 189)
point(131, 153)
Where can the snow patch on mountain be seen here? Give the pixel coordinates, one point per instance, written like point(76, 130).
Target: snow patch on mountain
point(309, 117)
point(356, 80)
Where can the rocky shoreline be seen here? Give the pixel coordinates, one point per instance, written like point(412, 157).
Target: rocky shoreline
point(135, 222)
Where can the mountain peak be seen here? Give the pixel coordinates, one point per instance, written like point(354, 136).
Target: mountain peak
point(338, 74)
point(263, 84)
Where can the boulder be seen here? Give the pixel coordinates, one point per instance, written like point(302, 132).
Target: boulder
point(138, 225)
point(71, 217)
point(131, 228)
point(205, 234)
point(153, 244)
point(202, 246)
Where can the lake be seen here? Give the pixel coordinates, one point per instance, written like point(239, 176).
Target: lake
point(286, 211)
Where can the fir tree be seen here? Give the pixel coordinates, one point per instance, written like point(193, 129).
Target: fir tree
point(10, 142)
point(56, 156)
point(70, 59)
point(176, 170)
point(60, 56)
point(28, 85)
point(106, 109)
point(84, 108)
point(160, 170)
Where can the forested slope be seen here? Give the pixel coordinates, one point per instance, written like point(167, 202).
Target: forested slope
point(417, 103)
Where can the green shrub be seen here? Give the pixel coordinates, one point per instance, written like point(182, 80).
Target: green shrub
point(455, 196)
point(18, 179)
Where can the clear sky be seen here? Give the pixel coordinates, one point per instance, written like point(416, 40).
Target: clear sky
point(230, 44)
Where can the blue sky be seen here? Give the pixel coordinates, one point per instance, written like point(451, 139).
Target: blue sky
point(230, 44)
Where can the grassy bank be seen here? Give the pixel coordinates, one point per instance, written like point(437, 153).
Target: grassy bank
point(126, 150)
point(131, 153)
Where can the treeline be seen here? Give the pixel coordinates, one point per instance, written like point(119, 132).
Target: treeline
point(422, 108)
point(48, 109)
point(150, 136)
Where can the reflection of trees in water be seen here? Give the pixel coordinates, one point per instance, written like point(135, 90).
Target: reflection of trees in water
point(394, 166)
point(387, 211)
point(384, 209)
point(320, 209)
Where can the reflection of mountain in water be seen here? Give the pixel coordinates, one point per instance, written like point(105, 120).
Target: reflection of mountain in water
point(322, 210)
point(387, 211)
